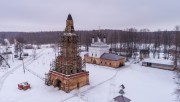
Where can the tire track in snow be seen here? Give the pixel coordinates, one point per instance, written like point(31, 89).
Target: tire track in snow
point(93, 87)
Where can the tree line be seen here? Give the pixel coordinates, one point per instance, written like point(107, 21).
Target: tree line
point(129, 40)
point(116, 38)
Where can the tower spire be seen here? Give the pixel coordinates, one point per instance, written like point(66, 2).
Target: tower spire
point(69, 25)
point(69, 17)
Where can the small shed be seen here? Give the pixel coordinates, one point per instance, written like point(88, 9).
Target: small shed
point(159, 63)
point(121, 98)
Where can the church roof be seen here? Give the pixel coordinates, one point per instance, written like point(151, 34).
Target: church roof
point(69, 17)
point(99, 44)
point(111, 56)
point(121, 99)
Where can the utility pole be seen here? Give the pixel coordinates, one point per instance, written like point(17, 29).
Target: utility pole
point(23, 66)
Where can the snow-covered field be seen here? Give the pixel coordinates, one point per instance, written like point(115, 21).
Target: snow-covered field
point(142, 84)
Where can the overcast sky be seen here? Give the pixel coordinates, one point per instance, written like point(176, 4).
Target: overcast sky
point(50, 15)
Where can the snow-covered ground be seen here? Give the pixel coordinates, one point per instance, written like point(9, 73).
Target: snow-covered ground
point(142, 84)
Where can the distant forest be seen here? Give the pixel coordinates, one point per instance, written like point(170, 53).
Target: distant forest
point(130, 37)
point(129, 40)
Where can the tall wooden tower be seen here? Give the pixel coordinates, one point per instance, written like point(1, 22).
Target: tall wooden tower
point(69, 71)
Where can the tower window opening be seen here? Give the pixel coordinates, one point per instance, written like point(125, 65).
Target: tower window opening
point(77, 70)
point(71, 71)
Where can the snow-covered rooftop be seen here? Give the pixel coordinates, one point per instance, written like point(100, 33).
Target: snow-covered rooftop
point(160, 61)
point(111, 56)
point(99, 44)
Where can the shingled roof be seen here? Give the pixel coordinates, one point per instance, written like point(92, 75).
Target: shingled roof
point(121, 99)
point(111, 56)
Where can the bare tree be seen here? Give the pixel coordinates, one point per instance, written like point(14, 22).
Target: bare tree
point(176, 57)
point(165, 44)
point(20, 43)
point(156, 49)
point(177, 28)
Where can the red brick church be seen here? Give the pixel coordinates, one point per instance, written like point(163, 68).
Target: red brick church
point(69, 71)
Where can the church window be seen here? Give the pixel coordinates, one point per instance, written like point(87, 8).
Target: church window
point(68, 39)
point(71, 71)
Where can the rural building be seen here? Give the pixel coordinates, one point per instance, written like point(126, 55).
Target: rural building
point(158, 63)
point(99, 54)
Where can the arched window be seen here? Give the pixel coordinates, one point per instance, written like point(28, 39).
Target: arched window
point(71, 71)
point(78, 85)
point(68, 39)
